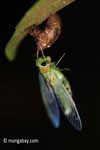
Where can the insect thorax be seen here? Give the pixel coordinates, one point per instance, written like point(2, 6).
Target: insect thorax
point(50, 77)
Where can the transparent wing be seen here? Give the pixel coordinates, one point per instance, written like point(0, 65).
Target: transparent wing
point(67, 104)
point(50, 101)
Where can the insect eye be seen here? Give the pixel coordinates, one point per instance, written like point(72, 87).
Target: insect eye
point(43, 63)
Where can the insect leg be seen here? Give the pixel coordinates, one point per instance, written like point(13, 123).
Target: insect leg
point(43, 54)
point(37, 54)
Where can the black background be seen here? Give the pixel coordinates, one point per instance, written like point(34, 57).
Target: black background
point(22, 113)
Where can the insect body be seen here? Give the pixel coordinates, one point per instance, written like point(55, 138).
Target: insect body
point(46, 37)
point(54, 86)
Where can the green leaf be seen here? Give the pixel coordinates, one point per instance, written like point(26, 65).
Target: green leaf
point(40, 11)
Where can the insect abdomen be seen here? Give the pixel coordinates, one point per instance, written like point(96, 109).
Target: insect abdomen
point(64, 81)
point(66, 84)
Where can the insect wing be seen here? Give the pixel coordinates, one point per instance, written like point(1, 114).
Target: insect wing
point(67, 104)
point(50, 101)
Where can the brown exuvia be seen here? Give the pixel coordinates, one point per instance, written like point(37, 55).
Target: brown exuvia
point(47, 36)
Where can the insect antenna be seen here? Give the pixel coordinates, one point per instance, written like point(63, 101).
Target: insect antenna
point(34, 56)
point(59, 60)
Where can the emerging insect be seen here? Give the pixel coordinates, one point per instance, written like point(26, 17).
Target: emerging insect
point(47, 36)
point(54, 86)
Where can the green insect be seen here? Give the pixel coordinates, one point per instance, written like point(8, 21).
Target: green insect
point(55, 89)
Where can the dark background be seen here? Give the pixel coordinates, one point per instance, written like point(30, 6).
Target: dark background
point(22, 113)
